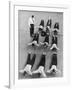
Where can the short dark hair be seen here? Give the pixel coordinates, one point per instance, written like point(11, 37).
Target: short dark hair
point(32, 16)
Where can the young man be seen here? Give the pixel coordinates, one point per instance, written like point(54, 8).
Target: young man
point(41, 66)
point(31, 25)
point(53, 66)
point(35, 40)
point(29, 64)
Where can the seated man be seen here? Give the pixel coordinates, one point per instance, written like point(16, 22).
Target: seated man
point(54, 42)
point(35, 40)
point(29, 64)
point(53, 66)
point(41, 66)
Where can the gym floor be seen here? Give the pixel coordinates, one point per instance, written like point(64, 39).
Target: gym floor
point(24, 39)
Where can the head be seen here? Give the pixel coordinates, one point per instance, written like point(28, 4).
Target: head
point(32, 16)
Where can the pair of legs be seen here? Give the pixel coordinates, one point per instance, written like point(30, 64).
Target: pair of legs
point(53, 66)
point(53, 69)
point(41, 66)
point(31, 30)
point(54, 46)
point(29, 64)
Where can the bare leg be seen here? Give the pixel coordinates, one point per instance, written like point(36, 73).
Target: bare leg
point(57, 70)
point(22, 71)
point(36, 71)
point(54, 46)
point(36, 43)
point(53, 67)
point(42, 71)
point(31, 43)
point(27, 69)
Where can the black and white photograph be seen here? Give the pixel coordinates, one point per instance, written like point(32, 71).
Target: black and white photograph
point(40, 44)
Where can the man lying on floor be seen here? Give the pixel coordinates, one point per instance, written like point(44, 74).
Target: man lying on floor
point(53, 66)
point(41, 66)
point(29, 64)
